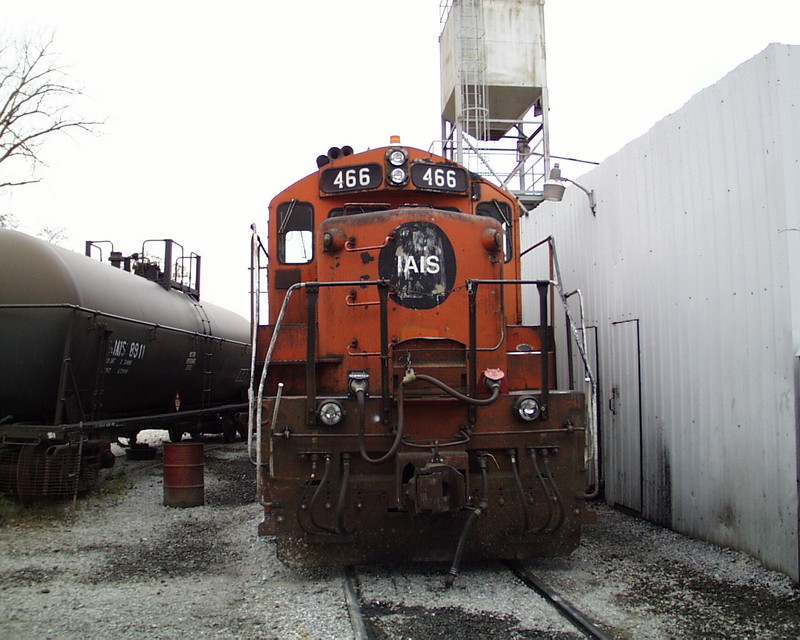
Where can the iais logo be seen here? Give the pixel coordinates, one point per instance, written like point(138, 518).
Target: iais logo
point(420, 264)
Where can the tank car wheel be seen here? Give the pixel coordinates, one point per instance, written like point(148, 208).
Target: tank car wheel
point(175, 435)
point(228, 430)
point(242, 427)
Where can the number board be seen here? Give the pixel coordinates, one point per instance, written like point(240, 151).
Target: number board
point(434, 177)
point(351, 178)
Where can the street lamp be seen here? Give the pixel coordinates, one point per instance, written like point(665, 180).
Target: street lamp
point(554, 188)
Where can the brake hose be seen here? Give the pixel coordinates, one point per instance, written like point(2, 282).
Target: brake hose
point(478, 511)
point(362, 417)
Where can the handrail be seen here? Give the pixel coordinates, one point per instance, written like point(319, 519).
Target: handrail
point(544, 337)
point(472, 286)
point(349, 245)
point(114, 316)
point(110, 423)
point(591, 454)
point(256, 250)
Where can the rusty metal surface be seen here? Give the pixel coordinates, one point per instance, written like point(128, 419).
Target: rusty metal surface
point(184, 474)
point(408, 316)
point(392, 508)
point(52, 470)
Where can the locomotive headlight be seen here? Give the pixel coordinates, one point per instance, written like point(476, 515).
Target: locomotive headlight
point(528, 408)
point(397, 157)
point(330, 413)
point(398, 176)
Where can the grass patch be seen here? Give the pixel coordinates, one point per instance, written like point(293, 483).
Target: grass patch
point(113, 486)
point(14, 511)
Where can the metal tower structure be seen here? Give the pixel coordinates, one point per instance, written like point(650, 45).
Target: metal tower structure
point(494, 92)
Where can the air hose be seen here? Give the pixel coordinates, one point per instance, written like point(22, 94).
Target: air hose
point(362, 417)
point(478, 402)
point(478, 511)
point(343, 494)
point(325, 475)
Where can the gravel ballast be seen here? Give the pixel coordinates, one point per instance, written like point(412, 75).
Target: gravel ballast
point(125, 566)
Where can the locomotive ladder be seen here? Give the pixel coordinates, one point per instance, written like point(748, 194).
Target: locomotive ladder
point(208, 355)
point(579, 336)
point(472, 110)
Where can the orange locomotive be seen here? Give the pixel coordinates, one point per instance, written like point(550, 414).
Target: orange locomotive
point(404, 411)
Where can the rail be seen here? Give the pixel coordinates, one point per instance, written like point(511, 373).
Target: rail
point(564, 607)
point(367, 626)
point(353, 601)
point(32, 431)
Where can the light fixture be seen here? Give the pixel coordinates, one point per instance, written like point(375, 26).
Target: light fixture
point(554, 188)
point(528, 408)
point(398, 176)
point(397, 157)
point(330, 413)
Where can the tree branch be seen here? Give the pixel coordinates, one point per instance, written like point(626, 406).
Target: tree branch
point(35, 101)
point(18, 184)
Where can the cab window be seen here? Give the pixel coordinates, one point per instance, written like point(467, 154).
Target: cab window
point(295, 232)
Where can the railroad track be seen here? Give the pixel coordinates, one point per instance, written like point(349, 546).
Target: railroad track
point(354, 609)
point(366, 626)
point(563, 606)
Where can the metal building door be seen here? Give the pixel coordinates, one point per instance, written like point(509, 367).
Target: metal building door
point(623, 451)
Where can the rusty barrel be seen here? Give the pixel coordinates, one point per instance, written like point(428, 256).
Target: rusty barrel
point(184, 484)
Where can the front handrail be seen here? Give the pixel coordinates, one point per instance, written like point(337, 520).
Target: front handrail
point(544, 336)
point(312, 294)
point(591, 455)
point(472, 285)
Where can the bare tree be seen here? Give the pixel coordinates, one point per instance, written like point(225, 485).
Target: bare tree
point(54, 235)
point(36, 100)
point(8, 220)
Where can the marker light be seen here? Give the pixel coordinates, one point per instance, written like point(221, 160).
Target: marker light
point(528, 408)
point(330, 413)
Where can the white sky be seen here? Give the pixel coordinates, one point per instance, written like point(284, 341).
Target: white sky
point(210, 110)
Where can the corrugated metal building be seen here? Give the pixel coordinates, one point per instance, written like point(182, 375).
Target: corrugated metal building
point(691, 275)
